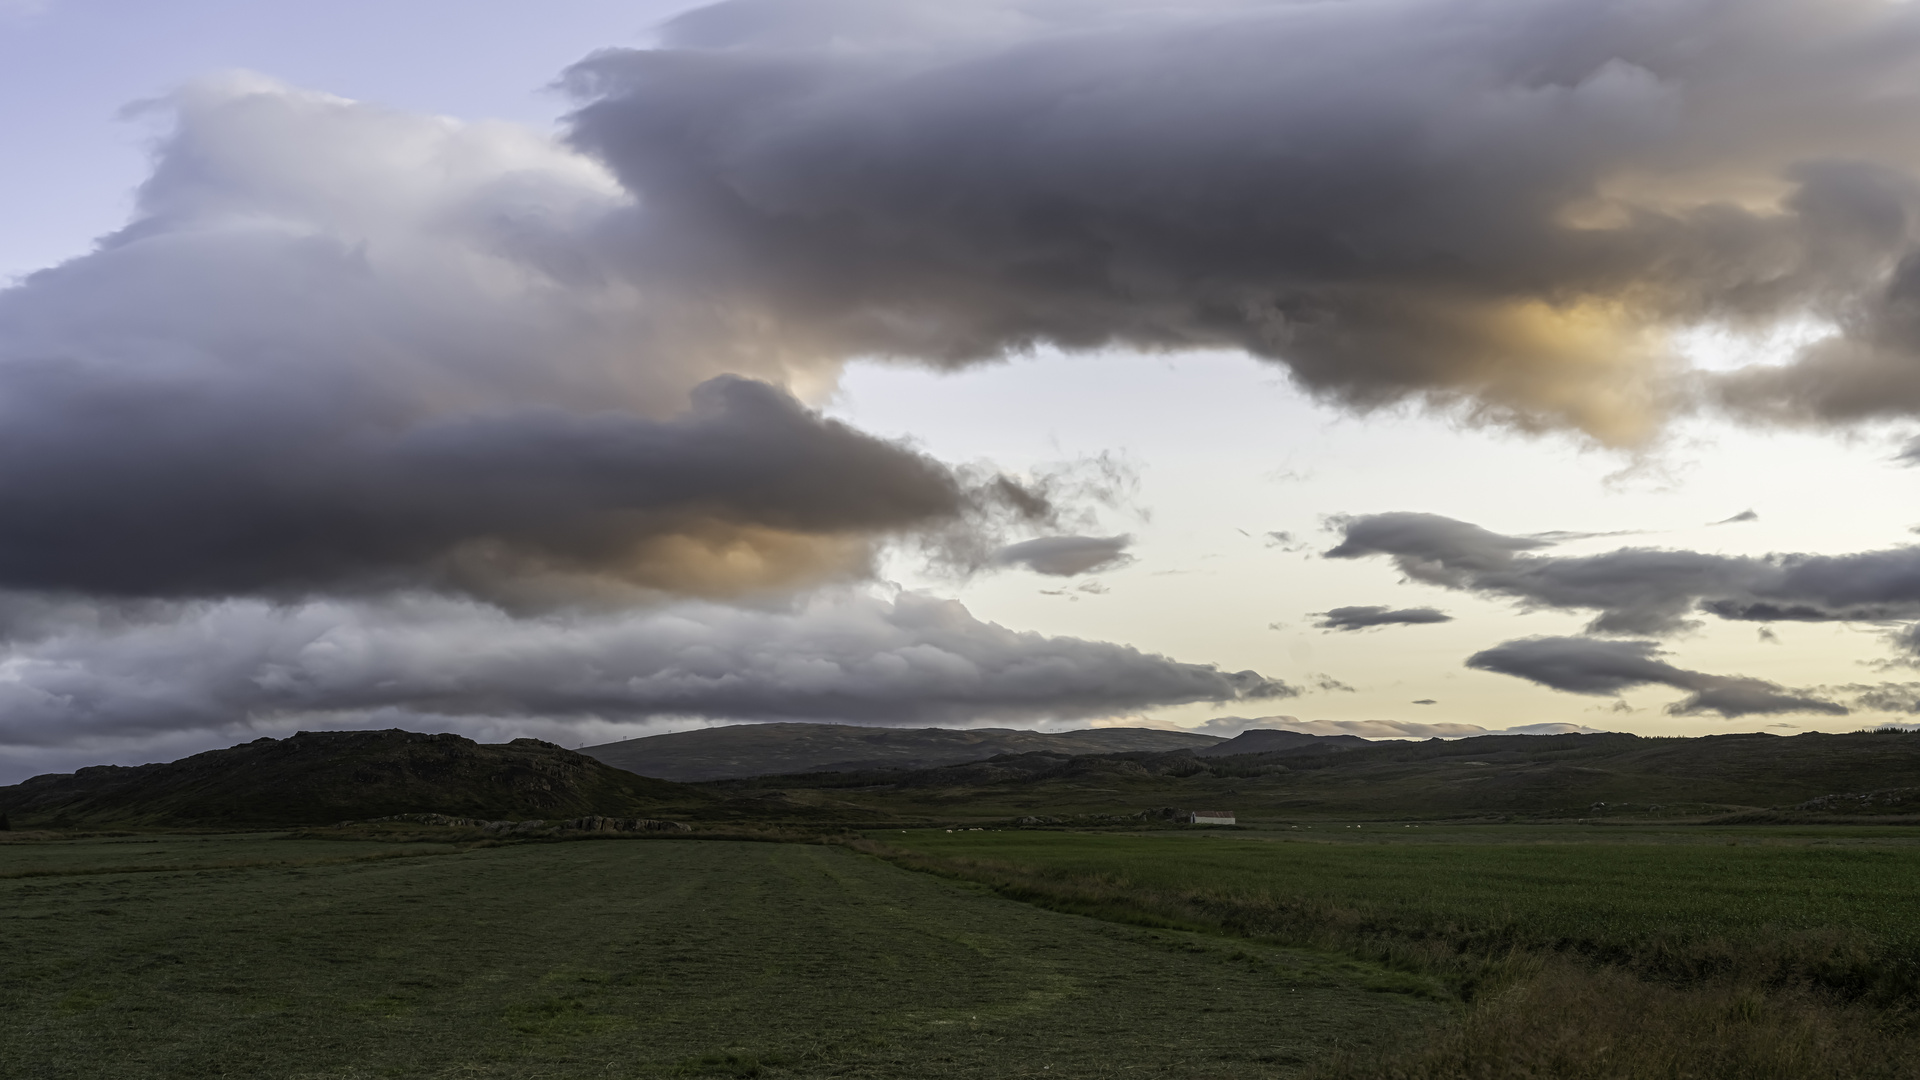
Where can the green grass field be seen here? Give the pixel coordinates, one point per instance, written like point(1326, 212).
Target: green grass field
point(250, 956)
point(1584, 952)
point(1604, 892)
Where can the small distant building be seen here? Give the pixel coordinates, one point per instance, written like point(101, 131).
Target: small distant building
point(1210, 817)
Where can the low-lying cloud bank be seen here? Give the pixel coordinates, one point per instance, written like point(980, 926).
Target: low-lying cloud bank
point(912, 659)
point(1381, 729)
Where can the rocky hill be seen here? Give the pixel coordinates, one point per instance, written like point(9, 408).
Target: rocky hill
point(745, 750)
point(320, 777)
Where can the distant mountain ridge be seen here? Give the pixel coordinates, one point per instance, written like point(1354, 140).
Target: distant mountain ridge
point(321, 777)
point(740, 751)
point(1807, 777)
point(1268, 740)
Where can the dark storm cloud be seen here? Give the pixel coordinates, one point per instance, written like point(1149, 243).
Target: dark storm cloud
point(128, 488)
point(1466, 200)
point(342, 349)
point(1641, 590)
point(1066, 556)
point(1589, 666)
point(1360, 618)
point(215, 666)
point(363, 420)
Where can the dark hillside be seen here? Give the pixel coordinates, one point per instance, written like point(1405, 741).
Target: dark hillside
point(1541, 776)
point(1266, 740)
point(742, 750)
point(323, 777)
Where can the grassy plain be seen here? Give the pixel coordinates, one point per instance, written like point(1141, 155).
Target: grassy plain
point(1606, 892)
point(247, 955)
point(1585, 951)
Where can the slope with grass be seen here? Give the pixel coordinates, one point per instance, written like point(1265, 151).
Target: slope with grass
point(323, 777)
point(631, 958)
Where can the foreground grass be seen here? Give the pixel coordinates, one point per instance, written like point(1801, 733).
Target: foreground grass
point(1790, 953)
point(246, 956)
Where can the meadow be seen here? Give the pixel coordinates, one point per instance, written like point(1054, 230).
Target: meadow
point(255, 955)
point(1578, 951)
point(1332, 951)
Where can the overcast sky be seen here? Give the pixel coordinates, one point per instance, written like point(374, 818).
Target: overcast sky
point(584, 370)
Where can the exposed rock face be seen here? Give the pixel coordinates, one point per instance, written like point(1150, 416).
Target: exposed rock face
point(1890, 801)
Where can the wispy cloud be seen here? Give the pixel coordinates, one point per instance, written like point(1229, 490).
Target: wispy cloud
point(1640, 590)
point(1588, 666)
point(1364, 618)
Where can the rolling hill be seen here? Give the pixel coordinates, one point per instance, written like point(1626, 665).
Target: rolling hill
point(1594, 777)
point(323, 777)
point(744, 750)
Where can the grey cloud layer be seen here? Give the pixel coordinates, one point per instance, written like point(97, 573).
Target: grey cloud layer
point(1067, 556)
point(837, 657)
point(1360, 618)
point(1590, 666)
point(397, 361)
point(1509, 205)
point(345, 349)
point(122, 489)
point(1640, 590)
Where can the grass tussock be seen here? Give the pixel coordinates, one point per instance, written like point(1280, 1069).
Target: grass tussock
point(1565, 1021)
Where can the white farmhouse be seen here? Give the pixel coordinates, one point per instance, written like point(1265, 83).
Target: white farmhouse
point(1211, 817)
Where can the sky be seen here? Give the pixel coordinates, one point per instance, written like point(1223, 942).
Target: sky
point(1406, 368)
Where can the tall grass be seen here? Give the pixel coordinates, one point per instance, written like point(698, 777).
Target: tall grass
point(1554, 1018)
